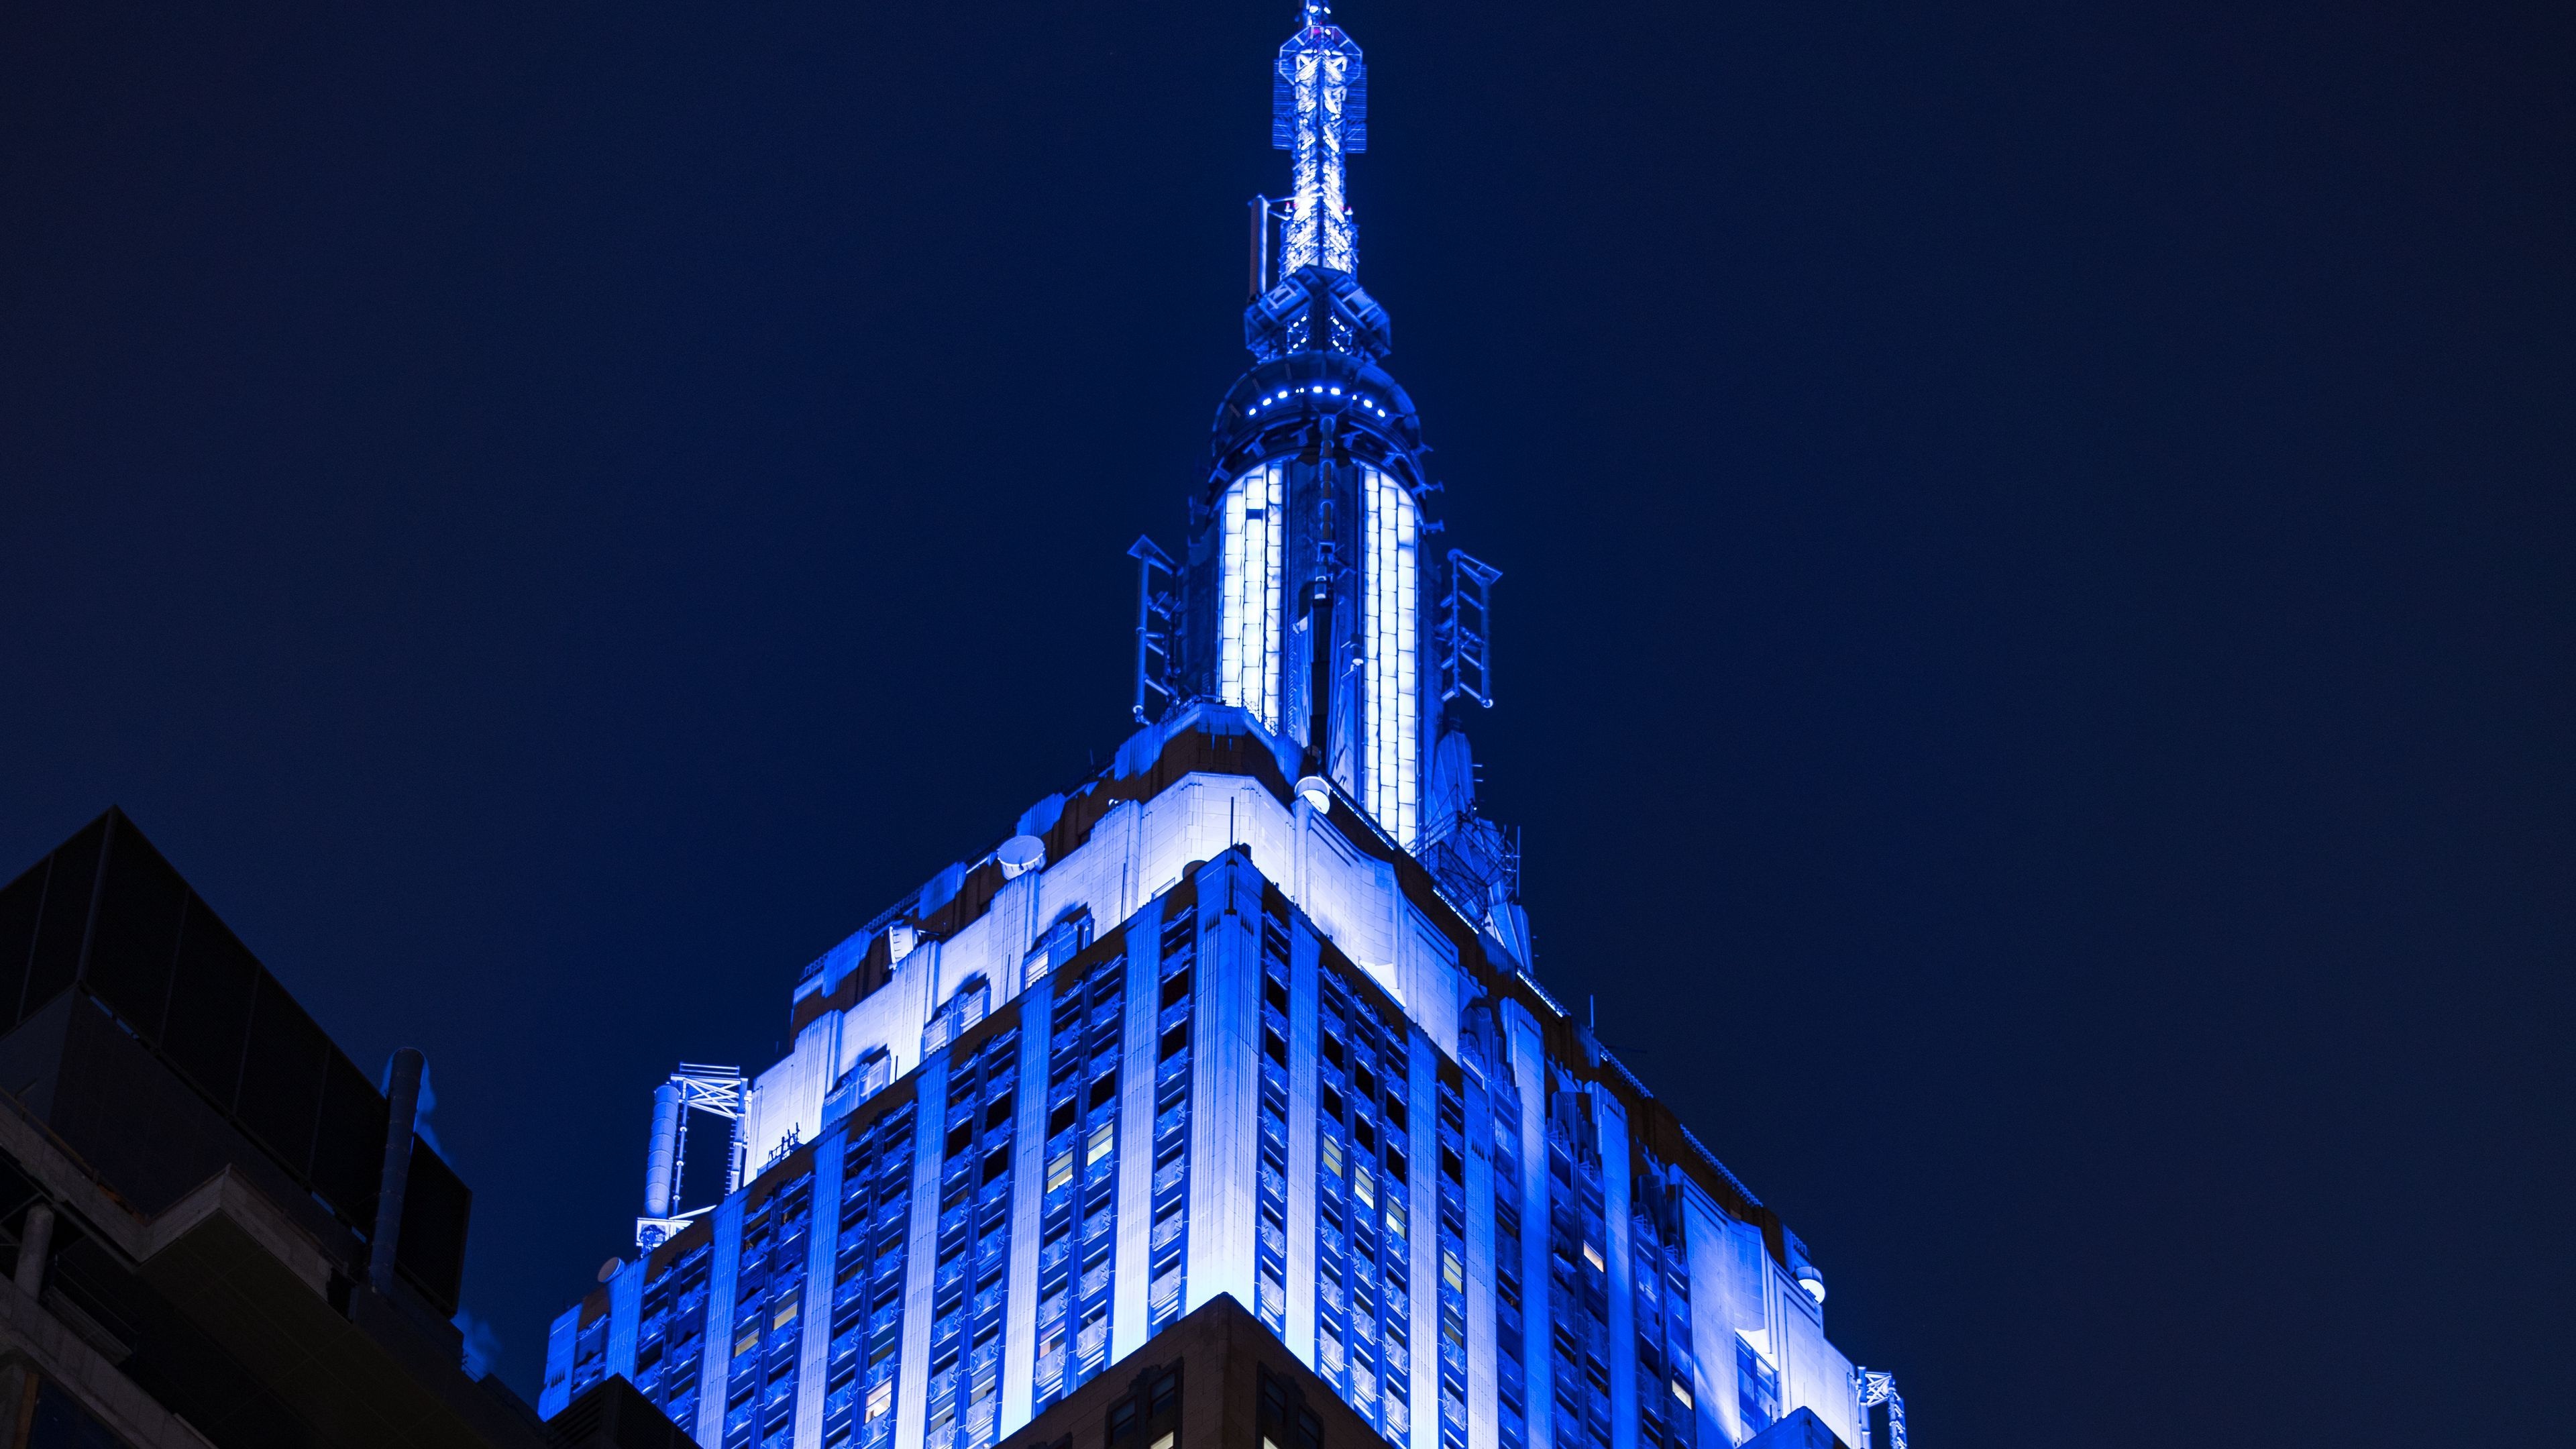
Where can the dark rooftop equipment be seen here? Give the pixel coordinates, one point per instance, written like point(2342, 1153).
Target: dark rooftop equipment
point(106, 952)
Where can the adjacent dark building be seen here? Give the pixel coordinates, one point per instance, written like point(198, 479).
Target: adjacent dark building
point(220, 1230)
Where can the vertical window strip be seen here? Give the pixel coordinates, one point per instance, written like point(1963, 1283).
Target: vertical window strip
point(970, 1289)
point(671, 1339)
point(1270, 1202)
point(652, 1326)
point(1659, 1272)
point(1078, 1212)
point(1250, 560)
point(1578, 1296)
point(1757, 1389)
point(751, 1303)
point(1363, 1227)
point(1510, 1337)
point(768, 1326)
point(590, 1355)
point(1391, 526)
point(865, 1357)
point(1167, 1250)
point(1451, 1256)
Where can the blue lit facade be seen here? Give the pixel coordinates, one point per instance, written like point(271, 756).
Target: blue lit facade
point(1250, 1013)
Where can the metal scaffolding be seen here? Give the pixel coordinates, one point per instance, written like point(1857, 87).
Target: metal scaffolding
point(1467, 631)
point(1880, 1388)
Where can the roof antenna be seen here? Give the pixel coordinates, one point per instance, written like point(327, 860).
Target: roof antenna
point(1260, 246)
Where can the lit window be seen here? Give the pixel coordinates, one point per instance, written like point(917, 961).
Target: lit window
point(881, 1400)
point(1251, 554)
point(1592, 1255)
point(1332, 1157)
point(1757, 1389)
point(1101, 1138)
point(1059, 1171)
point(1390, 653)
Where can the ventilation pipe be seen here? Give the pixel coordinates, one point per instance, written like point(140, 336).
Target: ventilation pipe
point(662, 1162)
point(402, 1107)
point(35, 1240)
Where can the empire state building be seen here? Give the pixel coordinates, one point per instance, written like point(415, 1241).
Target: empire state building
point(1219, 1103)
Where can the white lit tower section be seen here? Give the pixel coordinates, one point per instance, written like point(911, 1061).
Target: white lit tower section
point(1307, 570)
point(1319, 115)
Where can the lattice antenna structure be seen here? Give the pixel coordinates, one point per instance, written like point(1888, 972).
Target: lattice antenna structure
point(1319, 115)
point(695, 1087)
point(1467, 631)
point(1880, 1388)
point(1157, 607)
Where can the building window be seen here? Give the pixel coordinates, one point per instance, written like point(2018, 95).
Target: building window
point(1659, 1279)
point(671, 1333)
point(761, 1377)
point(1150, 1416)
point(970, 1290)
point(1167, 1246)
point(1363, 1227)
point(873, 1074)
point(1390, 657)
point(1511, 1375)
point(869, 1251)
point(1270, 1243)
point(1757, 1389)
point(966, 1006)
point(590, 1355)
point(1451, 1244)
point(1577, 1290)
point(1251, 554)
point(1078, 1210)
point(1281, 1417)
point(60, 1418)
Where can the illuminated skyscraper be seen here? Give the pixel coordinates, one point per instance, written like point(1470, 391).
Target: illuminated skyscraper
point(1248, 1016)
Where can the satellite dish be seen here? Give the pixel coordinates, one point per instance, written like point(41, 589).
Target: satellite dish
point(1019, 855)
point(1812, 1281)
point(609, 1269)
point(1316, 791)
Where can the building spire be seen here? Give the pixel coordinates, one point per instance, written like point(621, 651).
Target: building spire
point(1319, 115)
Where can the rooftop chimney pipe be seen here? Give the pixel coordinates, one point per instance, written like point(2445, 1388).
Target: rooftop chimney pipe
point(402, 1107)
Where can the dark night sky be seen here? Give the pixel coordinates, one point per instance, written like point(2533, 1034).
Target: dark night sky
point(2034, 646)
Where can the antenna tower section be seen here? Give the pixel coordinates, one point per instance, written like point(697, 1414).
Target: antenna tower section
point(695, 1087)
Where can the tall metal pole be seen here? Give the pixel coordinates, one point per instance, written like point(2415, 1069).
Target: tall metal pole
point(402, 1106)
point(1260, 247)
